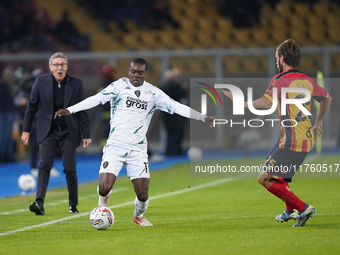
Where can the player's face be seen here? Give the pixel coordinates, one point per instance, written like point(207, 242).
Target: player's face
point(59, 68)
point(278, 62)
point(137, 74)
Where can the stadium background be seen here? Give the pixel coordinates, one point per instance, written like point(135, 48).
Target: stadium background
point(203, 38)
point(190, 215)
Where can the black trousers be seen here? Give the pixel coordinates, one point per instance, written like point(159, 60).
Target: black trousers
point(54, 140)
point(33, 149)
point(175, 127)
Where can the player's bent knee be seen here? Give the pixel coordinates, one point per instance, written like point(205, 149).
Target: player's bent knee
point(262, 180)
point(265, 182)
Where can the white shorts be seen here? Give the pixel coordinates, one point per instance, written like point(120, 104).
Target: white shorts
point(136, 162)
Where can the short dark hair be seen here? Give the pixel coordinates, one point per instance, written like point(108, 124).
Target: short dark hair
point(140, 61)
point(291, 53)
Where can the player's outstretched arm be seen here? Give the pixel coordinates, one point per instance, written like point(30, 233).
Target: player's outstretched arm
point(210, 120)
point(228, 93)
point(190, 113)
point(324, 107)
point(86, 104)
point(261, 103)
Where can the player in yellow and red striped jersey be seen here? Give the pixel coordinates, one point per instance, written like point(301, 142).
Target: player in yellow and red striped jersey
point(297, 137)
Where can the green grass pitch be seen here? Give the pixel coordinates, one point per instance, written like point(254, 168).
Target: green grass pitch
point(190, 216)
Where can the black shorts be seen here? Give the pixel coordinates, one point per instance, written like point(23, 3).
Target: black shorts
point(283, 164)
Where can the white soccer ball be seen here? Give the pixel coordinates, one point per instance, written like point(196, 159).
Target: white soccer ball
point(195, 154)
point(26, 182)
point(101, 218)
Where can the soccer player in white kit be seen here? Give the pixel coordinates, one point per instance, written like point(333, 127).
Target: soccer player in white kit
point(133, 102)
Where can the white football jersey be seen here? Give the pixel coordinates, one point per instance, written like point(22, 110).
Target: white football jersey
point(131, 111)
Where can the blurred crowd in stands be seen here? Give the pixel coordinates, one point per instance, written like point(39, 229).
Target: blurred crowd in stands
point(25, 27)
point(146, 14)
point(15, 89)
point(8, 114)
point(245, 13)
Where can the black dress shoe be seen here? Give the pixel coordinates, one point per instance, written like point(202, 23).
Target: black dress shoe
point(38, 209)
point(73, 209)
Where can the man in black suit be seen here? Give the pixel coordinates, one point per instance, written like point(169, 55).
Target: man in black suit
point(174, 87)
point(50, 93)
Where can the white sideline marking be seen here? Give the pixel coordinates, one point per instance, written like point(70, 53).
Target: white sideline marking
point(116, 190)
point(198, 187)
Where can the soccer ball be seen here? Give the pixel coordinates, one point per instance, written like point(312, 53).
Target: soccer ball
point(26, 182)
point(101, 218)
point(195, 154)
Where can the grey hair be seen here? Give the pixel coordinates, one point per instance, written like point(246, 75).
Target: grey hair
point(57, 55)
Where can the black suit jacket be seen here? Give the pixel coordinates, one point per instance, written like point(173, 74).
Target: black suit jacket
point(42, 102)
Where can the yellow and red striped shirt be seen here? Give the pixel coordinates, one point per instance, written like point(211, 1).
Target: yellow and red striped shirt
point(298, 135)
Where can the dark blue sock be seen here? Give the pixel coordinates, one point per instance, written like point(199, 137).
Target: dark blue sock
point(306, 206)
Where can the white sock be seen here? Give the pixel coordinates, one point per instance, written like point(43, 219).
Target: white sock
point(103, 201)
point(140, 207)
